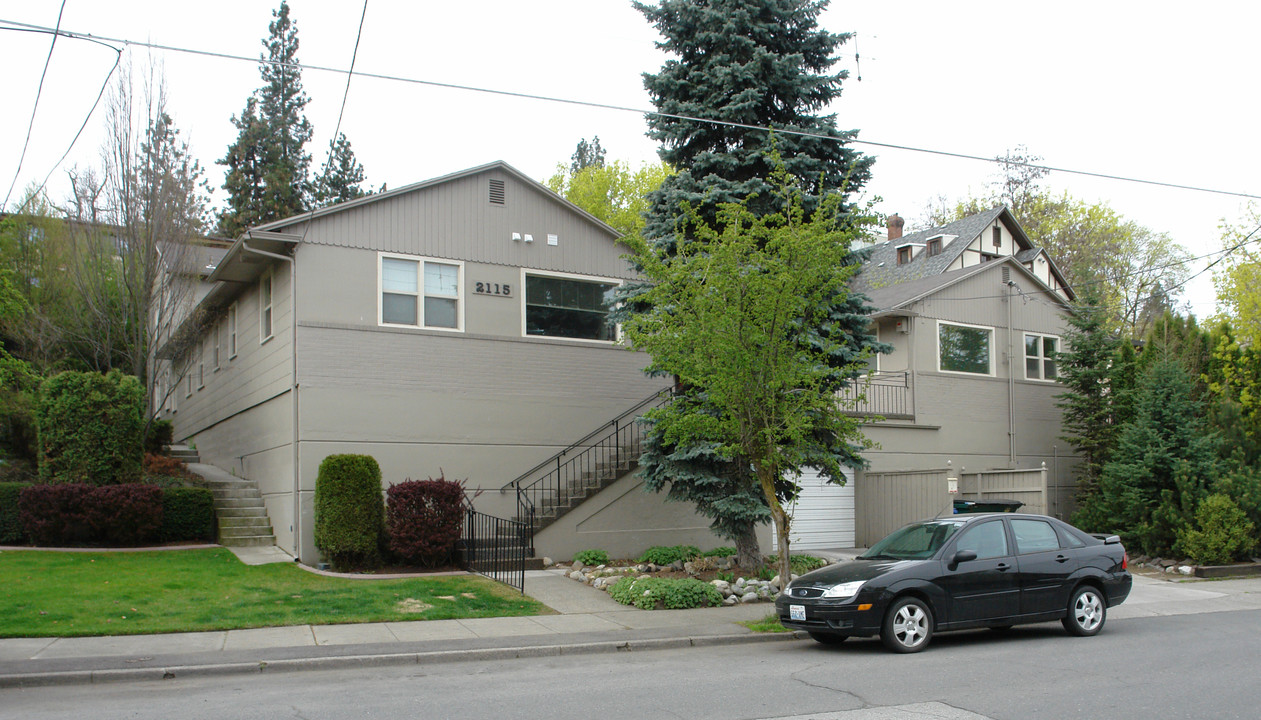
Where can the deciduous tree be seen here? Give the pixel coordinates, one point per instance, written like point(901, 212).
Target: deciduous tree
point(612, 192)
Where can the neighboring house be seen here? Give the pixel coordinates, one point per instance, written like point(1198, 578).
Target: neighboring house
point(455, 326)
point(975, 315)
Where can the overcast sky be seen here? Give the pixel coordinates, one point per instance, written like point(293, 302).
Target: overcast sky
point(1150, 90)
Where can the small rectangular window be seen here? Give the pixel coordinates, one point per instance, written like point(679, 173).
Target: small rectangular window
point(1040, 361)
point(420, 292)
point(934, 247)
point(215, 332)
point(232, 331)
point(201, 365)
point(964, 349)
point(264, 307)
point(567, 307)
point(904, 255)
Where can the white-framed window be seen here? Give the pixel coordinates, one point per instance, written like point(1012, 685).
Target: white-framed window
point(965, 348)
point(1040, 357)
point(566, 306)
point(201, 364)
point(265, 286)
point(232, 331)
point(188, 379)
point(420, 292)
point(217, 333)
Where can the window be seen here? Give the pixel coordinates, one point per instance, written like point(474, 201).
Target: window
point(987, 540)
point(264, 308)
point(934, 247)
point(998, 237)
point(1040, 353)
point(1034, 536)
point(216, 333)
point(232, 331)
point(568, 307)
point(904, 255)
point(420, 293)
point(964, 349)
point(188, 379)
point(201, 364)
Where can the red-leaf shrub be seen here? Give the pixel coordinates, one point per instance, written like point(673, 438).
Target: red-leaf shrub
point(423, 519)
point(56, 514)
point(76, 513)
point(166, 466)
point(126, 514)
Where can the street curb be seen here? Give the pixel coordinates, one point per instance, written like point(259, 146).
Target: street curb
point(179, 672)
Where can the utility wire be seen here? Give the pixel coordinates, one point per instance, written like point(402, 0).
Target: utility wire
point(35, 108)
point(639, 111)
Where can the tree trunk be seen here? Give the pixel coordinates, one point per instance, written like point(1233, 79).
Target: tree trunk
point(748, 552)
point(766, 478)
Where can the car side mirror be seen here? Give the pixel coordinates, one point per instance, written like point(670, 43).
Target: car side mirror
point(961, 557)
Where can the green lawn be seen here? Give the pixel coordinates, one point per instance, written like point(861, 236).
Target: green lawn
point(55, 594)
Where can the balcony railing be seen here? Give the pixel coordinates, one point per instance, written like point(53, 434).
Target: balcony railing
point(882, 394)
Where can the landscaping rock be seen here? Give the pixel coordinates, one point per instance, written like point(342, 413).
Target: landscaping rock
point(749, 597)
point(547, 562)
point(1186, 569)
point(577, 566)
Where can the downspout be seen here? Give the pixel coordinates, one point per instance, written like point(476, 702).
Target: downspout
point(1011, 381)
point(293, 389)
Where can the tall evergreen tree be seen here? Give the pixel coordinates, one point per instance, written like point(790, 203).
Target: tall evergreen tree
point(587, 154)
point(268, 175)
point(762, 63)
point(343, 176)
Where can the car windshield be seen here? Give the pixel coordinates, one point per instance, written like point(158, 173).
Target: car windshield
point(913, 542)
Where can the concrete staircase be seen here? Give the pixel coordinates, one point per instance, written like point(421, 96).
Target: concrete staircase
point(243, 520)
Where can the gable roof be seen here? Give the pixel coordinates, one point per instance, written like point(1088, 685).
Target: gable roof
point(882, 268)
point(500, 165)
point(894, 299)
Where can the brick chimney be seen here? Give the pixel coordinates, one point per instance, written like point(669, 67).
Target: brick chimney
point(895, 226)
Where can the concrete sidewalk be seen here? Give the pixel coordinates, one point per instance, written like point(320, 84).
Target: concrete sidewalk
point(587, 621)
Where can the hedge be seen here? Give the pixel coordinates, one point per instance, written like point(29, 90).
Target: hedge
point(11, 532)
point(188, 514)
point(90, 428)
point(423, 519)
point(349, 511)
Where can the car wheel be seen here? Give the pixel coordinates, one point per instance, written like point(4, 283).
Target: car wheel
point(908, 626)
point(1086, 612)
point(828, 638)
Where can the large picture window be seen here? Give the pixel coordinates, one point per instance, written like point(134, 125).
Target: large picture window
point(557, 306)
point(420, 293)
point(964, 348)
point(1040, 353)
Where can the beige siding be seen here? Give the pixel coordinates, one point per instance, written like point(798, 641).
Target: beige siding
point(888, 500)
point(1026, 486)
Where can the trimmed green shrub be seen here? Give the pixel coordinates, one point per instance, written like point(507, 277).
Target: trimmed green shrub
point(647, 593)
point(349, 511)
point(11, 532)
point(722, 552)
point(188, 514)
point(667, 554)
point(90, 428)
point(592, 557)
point(423, 519)
point(1223, 533)
point(160, 434)
point(801, 564)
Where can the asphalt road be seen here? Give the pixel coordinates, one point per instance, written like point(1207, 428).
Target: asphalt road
point(1185, 666)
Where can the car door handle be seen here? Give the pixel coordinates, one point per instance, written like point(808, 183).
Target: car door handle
point(1003, 567)
point(1061, 558)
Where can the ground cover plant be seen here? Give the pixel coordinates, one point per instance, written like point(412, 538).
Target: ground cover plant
point(53, 594)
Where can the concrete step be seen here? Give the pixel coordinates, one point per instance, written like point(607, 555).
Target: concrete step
point(253, 541)
point(252, 522)
point(242, 512)
point(243, 491)
point(237, 502)
point(240, 532)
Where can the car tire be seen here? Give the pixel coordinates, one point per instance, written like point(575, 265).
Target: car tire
point(828, 638)
point(1087, 612)
point(908, 625)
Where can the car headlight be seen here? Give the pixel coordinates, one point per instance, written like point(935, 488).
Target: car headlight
point(844, 590)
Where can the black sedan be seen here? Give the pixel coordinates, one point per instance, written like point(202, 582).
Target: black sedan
point(957, 572)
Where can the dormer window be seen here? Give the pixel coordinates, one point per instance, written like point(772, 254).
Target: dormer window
point(934, 246)
point(904, 254)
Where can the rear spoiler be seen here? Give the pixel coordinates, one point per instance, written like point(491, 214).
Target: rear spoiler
point(1107, 539)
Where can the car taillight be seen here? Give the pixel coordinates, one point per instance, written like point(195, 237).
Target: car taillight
point(1125, 561)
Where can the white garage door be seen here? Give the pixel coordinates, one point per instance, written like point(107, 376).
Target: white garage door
point(823, 516)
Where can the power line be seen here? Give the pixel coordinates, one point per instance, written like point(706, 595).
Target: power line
point(638, 111)
point(35, 108)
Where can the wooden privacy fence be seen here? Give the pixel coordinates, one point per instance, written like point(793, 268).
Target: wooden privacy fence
point(886, 501)
point(1027, 486)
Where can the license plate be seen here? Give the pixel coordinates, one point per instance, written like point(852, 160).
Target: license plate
point(797, 612)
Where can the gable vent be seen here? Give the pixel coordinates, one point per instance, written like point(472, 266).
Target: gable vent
point(1006, 275)
point(497, 192)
